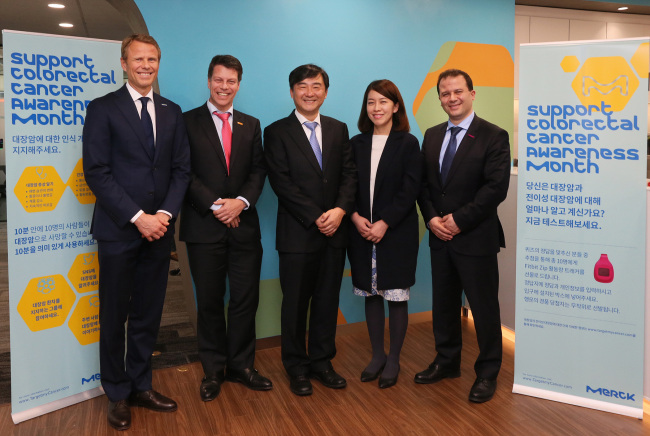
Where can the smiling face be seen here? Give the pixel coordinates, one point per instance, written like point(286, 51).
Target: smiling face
point(141, 66)
point(308, 95)
point(223, 86)
point(380, 111)
point(455, 98)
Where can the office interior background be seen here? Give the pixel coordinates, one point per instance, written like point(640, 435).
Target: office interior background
point(358, 41)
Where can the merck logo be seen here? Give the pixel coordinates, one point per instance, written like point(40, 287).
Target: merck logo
point(92, 378)
point(611, 393)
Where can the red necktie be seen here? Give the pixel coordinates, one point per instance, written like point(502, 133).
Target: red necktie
point(226, 136)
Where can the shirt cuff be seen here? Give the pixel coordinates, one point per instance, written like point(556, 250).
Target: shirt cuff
point(245, 201)
point(136, 216)
point(165, 212)
point(218, 206)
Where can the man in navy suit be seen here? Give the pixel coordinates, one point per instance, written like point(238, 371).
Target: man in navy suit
point(222, 230)
point(467, 171)
point(136, 161)
point(312, 172)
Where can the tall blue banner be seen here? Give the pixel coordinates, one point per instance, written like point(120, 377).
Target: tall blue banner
point(53, 269)
point(582, 223)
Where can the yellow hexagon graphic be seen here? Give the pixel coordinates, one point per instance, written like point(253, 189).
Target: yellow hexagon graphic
point(77, 182)
point(39, 189)
point(84, 273)
point(605, 79)
point(641, 59)
point(46, 302)
point(570, 63)
point(84, 321)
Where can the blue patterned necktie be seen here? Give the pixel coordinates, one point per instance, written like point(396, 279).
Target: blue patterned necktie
point(449, 154)
point(147, 124)
point(313, 140)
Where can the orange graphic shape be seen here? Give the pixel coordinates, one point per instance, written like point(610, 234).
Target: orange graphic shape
point(340, 319)
point(487, 64)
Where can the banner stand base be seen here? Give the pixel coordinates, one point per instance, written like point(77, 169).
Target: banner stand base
point(56, 405)
point(579, 401)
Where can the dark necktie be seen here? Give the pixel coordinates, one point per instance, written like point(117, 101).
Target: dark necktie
point(449, 154)
point(313, 141)
point(147, 125)
point(226, 136)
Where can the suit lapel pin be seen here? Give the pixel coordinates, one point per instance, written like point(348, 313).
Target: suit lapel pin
point(471, 136)
point(241, 124)
point(163, 104)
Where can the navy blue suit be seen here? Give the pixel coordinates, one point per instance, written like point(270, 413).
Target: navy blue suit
point(126, 177)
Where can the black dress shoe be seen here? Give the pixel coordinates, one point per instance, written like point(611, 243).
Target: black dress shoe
point(435, 372)
point(153, 400)
point(367, 376)
point(300, 385)
point(385, 382)
point(482, 390)
point(210, 387)
point(329, 378)
point(250, 378)
point(119, 415)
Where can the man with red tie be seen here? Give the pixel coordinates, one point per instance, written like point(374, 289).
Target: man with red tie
point(220, 225)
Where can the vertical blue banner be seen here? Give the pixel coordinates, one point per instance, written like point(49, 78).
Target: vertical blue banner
point(53, 269)
point(582, 223)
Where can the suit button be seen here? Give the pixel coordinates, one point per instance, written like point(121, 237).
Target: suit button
point(324, 180)
point(150, 192)
point(443, 194)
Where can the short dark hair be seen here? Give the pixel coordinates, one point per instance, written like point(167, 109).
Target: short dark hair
point(389, 90)
point(455, 73)
point(307, 71)
point(227, 61)
point(140, 37)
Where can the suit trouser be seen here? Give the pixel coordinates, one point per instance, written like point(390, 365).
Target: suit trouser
point(132, 286)
point(220, 345)
point(304, 276)
point(478, 276)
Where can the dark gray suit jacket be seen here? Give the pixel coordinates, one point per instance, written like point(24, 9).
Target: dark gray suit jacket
point(305, 191)
point(210, 178)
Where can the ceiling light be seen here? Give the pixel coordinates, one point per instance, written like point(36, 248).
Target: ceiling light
point(56, 5)
point(623, 8)
point(66, 25)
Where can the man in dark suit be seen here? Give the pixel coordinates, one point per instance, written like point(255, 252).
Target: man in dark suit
point(467, 170)
point(221, 228)
point(136, 161)
point(312, 172)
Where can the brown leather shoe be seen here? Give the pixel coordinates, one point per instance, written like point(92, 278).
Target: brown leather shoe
point(119, 415)
point(435, 372)
point(152, 400)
